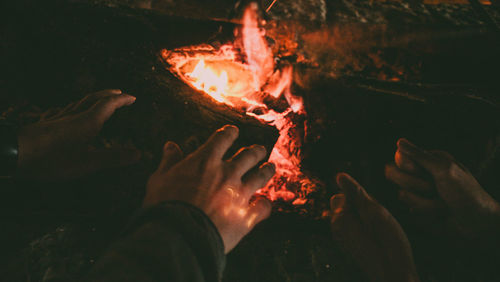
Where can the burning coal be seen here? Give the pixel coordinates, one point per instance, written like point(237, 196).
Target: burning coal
point(242, 77)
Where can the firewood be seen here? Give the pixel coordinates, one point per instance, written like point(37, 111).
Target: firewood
point(169, 109)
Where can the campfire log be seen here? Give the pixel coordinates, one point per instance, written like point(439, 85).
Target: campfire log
point(125, 55)
point(67, 50)
point(172, 110)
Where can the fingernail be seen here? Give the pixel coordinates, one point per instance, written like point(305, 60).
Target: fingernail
point(261, 148)
point(271, 167)
point(132, 99)
point(169, 146)
point(403, 142)
point(116, 91)
point(351, 186)
point(229, 127)
point(264, 202)
point(344, 180)
point(406, 146)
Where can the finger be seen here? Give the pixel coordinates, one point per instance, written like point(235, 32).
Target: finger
point(245, 159)
point(418, 204)
point(259, 210)
point(105, 107)
point(427, 160)
point(89, 100)
point(359, 202)
point(85, 103)
point(407, 181)
point(258, 178)
point(345, 226)
point(218, 144)
point(49, 114)
point(61, 112)
point(172, 154)
point(337, 206)
point(406, 164)
point(354, 192)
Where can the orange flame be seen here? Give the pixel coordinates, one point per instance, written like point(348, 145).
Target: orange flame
point(259, 55)
point(207, 80)
point(219, 74)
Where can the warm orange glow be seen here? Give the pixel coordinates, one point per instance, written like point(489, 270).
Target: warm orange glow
point(259, 55)
point(235, 207)
point(237, 82)
point(204, 78)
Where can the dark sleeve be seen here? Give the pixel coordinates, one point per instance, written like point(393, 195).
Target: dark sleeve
point(8, 149)
point(170, 242)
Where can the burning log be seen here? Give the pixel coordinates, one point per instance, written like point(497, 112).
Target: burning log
point(176, 112)
point(166, 108)
point(244, 76)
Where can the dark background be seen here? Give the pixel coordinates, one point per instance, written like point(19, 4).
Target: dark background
point(447, 98)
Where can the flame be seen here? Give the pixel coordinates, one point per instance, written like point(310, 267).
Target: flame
point(208, 80)
point(227, 78)
point(259, 55)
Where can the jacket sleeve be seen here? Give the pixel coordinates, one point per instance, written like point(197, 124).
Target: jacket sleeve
point(8, 149)
point(170, 242)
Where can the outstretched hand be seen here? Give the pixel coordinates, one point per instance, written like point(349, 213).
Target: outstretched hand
point(365, 230)
point(220, 188)
point(439, 190)
point(56, 147)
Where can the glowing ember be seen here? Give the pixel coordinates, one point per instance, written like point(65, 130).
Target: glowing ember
point(220, 74)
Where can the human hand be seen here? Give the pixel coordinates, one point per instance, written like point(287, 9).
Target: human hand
point(220, 188)
point(365, 230)
point(438, 189)
point(56, 147)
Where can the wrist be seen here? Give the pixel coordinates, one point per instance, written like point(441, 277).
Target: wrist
point(193, 225)
point(9, 150)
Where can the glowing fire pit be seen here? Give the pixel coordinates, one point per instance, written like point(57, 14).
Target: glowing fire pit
point(241, 79)
point(219, 84)
point(215, 72)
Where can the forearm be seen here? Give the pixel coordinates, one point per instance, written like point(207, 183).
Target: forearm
point(171, 242)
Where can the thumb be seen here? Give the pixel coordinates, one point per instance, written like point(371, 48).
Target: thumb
point(172, 154)
point(354, 193)
point(105, 107)
point(337, 206)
